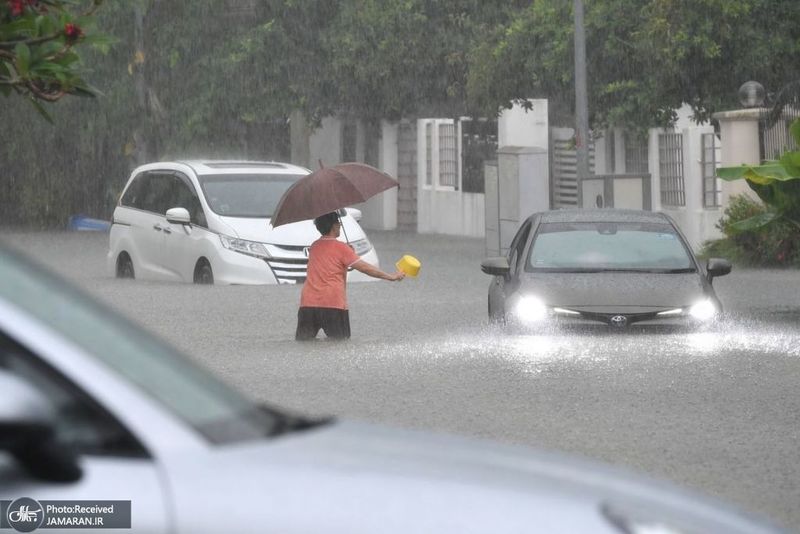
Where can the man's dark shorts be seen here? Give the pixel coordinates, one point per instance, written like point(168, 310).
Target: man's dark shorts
point(333, 321)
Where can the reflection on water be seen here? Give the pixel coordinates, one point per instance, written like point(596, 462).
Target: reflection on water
point(598, 345)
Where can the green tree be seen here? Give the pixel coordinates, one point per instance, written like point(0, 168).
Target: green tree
point(38, 38)
point(645, 58)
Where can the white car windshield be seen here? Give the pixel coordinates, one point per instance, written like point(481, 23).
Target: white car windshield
point(608, 246)
point(245, 195)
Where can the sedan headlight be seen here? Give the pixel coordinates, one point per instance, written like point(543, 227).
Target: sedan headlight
point(362, 246)
point(703, 310)
point(243, 246)
point(530, 309)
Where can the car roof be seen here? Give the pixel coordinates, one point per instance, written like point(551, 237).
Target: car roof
point(208, 166)
point(601, 215)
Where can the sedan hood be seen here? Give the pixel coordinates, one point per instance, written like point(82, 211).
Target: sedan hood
point(610, 291)
point(301, 233)
point(352, 477)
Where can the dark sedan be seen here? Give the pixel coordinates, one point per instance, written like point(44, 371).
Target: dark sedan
point(613, 267)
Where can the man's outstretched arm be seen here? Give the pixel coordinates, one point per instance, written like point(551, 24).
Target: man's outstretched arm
point(371, 270)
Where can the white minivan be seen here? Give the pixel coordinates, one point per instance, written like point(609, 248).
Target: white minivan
point(209, 222)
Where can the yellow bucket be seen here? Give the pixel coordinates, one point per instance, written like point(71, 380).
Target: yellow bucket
point(409, 265)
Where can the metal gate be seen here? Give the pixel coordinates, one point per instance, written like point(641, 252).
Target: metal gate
point(563, 170)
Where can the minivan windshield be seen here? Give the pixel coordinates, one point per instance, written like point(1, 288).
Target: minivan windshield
point(245, 195)
point(608, 246)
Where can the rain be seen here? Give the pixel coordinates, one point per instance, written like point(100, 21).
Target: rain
point(712, 409)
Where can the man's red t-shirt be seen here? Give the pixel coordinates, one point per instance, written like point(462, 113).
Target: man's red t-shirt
point(328, 262)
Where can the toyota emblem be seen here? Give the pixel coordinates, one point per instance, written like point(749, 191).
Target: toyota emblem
point(619, 321)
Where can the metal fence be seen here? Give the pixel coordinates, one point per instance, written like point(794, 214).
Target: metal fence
point(478, 145)
point(564, 172)
point(448, 156)
point(773, 133)
point(636, 153)
point(670, 164)
point(710, 162)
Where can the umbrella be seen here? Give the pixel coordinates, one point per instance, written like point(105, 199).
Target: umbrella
point(329, 189)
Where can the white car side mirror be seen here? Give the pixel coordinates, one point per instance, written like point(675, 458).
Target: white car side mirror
point(354, 213)
point(178, 216)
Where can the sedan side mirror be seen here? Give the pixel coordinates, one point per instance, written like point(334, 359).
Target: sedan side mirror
point(178, 216)
point(717, 267)
point(496, 266)
point(27, 432)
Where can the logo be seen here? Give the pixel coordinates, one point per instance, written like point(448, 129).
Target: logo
point(619, 321)
point(305, 251)
point(25, 515)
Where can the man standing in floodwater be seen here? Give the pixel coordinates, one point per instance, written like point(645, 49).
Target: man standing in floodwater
point(323, 302)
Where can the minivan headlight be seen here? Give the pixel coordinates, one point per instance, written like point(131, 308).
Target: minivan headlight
point(703, 310)
point(362, 246)
point(243, 246)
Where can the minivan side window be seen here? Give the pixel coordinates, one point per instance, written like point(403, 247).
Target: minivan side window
point(134, 195)
point(157, 193)
point(184, 196)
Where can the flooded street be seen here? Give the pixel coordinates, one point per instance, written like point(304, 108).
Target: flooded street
point(715, 411)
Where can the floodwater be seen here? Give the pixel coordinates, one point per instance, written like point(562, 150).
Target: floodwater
point(715, 411)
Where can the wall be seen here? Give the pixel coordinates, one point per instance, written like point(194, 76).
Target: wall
point(443, 209)
point(380, 212)
point(739, 131)
point(695, 221)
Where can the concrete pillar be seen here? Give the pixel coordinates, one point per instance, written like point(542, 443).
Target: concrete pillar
point(740, 145)
point(520, 127)
point(523, 188)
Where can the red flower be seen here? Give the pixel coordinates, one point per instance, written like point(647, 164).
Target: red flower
point(17, 6)
point(72, 32)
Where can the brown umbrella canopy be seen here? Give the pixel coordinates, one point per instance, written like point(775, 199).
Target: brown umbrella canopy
point(329, 189)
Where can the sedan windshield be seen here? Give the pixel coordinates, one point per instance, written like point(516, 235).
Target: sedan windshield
point(608, 246)
point(245, 195)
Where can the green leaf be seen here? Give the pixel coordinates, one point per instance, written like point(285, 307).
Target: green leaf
point(791, 161)
point(795, 130)
point(754, 223)
point(85, 91)
point(38, 106)
point(23, 60)
point(759, 174)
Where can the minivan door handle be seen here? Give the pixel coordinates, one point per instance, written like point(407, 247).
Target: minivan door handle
point(157, 227)
point(167, 230)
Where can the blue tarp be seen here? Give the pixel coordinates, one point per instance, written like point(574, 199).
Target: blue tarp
point(87, 224)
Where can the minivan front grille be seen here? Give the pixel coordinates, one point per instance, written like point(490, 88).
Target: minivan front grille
point(289, 270)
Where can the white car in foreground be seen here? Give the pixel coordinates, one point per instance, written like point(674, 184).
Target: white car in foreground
point(94, 409)
point(209, 222)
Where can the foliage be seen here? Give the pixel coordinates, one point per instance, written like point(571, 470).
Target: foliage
point(777, 245)
point(777, 183)
point(38, 38)
point(221, 78)
point(644, 57)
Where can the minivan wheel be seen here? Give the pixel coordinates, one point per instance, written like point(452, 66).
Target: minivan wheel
point(125, 266)
point(203, 273)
